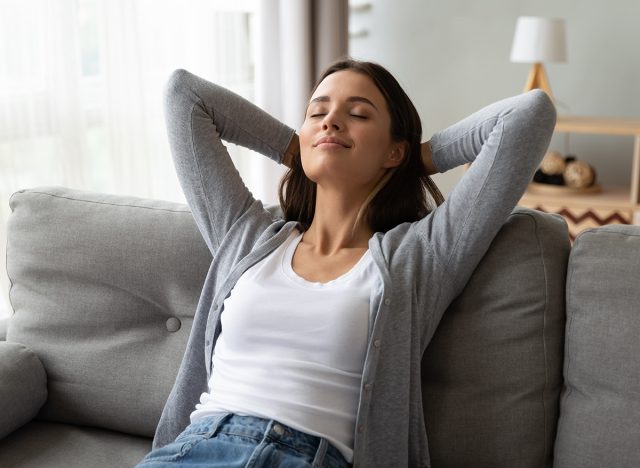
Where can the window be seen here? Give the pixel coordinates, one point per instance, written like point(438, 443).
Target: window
point(81, 86)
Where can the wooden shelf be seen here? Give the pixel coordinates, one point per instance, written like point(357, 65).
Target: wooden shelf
point(598, 125)
point(612, 204)
point(610, 197)
point(608, 126)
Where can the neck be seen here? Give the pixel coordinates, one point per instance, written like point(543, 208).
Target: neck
point(332, 227)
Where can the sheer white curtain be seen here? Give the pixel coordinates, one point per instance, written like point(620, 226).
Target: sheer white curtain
point(297, 39)
point(81, 86)
point(81, 91)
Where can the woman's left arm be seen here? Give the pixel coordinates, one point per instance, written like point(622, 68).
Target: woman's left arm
point(427, 158)
point(505, 141)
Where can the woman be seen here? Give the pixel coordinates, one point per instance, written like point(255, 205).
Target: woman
point(314, 326)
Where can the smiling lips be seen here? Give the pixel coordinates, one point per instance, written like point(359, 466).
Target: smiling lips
point(332, 141)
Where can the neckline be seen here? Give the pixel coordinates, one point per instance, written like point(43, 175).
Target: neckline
point(287, 269)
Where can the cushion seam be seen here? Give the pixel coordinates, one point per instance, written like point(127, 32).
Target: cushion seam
point(544, 329)
point(106, 203)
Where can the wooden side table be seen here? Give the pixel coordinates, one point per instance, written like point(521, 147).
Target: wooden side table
point(613, 205)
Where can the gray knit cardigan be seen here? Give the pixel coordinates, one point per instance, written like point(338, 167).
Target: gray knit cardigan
point(424, 265)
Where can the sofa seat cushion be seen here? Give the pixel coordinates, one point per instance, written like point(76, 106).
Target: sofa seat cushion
point(23, 386)
point(600, 406)
point(492, 375)
point(53, 445)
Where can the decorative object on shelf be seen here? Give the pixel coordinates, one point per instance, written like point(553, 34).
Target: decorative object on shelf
point(564, 174)
point(537, 40)
point(551, 169)
point(588, 207)
point(579, 174)
point(553, 163)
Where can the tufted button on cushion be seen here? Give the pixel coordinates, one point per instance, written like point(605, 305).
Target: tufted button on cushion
point(140, 284)
point(173, 324)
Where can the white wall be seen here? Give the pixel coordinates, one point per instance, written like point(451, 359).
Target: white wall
point(452, 57)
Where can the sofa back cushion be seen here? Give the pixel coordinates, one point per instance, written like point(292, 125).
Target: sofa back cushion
point(104, 289)
point(491, 377)
point(600, 406)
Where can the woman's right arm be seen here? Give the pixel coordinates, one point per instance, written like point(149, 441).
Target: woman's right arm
point(199, 115)
point(293, 151)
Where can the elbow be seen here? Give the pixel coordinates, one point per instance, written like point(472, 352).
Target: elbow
point(176, 85)
point(177, 78)
point(541, 108)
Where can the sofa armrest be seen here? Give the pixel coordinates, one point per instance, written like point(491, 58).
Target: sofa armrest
point(23, 386)
point(4, 322)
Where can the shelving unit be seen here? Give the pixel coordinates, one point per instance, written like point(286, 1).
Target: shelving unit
point(613, 205)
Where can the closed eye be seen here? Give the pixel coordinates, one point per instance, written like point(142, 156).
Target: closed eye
point(352, 115)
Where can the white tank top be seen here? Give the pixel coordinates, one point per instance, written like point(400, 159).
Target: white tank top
point(293, 350)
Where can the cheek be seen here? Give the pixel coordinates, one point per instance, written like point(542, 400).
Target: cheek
point(305, 135)
point(378, 138)
point(305, 141)
point(374, 146)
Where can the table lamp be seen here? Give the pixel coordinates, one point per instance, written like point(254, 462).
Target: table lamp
point(538, 40)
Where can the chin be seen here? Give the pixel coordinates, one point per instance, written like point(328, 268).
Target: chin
point(316, 169)
point(323, 169)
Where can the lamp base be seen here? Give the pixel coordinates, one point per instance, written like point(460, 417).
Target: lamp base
point(538, 79)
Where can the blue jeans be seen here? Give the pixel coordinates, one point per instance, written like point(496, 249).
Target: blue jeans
point(230, 441)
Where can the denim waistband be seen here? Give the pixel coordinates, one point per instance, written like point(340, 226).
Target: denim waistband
point(258, 428)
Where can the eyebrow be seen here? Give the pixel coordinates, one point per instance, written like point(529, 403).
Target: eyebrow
point(349, 99)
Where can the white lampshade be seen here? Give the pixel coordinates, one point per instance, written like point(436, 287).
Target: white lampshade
point(538, 40)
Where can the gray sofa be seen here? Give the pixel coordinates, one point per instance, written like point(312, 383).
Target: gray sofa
point(104, 288)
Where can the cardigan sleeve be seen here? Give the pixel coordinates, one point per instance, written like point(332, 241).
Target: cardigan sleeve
point(199, 115)
point(505, 142)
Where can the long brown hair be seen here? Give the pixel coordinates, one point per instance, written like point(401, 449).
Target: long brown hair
point(405, 194)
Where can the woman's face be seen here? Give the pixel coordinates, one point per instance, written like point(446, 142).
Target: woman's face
point(345, 140)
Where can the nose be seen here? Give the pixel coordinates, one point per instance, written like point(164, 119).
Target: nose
point(332, 121)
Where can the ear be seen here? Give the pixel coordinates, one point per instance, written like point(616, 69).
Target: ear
point(398, 152)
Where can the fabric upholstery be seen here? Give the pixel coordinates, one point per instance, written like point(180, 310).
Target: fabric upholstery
point(600, 406)
point(41, 444)
point(3, 328)
point(23, 386)
point(493, 372)
point(104, 289)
